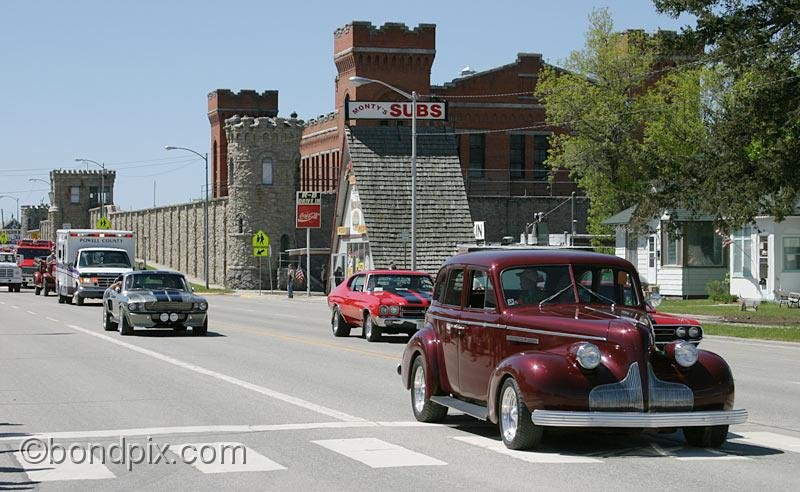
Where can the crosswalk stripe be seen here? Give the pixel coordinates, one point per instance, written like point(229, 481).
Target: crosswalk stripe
point(769, 440)
point(529, 456)
point(224, 457)
point(67, 470)
point(376, 453)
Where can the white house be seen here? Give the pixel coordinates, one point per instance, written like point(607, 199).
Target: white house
point(765, 257)
point(676, 261)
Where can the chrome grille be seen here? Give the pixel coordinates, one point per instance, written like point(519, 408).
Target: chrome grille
point(6, 272)
point(414, 312)
point(106, 280)
point(663, 395)
point(624, 395)
point(164, 306)
point(665, 334)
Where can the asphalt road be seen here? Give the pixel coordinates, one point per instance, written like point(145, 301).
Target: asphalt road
point(317, 413)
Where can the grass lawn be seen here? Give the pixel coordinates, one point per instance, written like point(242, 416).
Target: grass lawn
point(768, 312)
point(783, 333)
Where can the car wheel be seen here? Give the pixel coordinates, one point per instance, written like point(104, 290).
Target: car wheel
point(37, 290)
point(68, 299)
point(125, 328)
point(200, 331)
point(424, 409)
point(371, 332)
point(60, 299)
point(105, 320)
point(78, 300)
point(514, 419)
point(339, 326)
point(712, 436)
point(46, 291)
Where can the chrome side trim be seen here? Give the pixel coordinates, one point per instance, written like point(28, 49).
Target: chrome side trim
point(556, 333)
point(624, 395)
point(513, 338)
point(557, 418)
point(512, 327)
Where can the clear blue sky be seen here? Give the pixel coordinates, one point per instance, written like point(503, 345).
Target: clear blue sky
point(115, 81)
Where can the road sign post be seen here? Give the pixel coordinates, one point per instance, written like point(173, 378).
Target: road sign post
point(308, 208)
point(269, 266)
point(261, 248)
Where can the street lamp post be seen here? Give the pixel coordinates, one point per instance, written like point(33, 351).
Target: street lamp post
point(205, 206)
point(102, 184)
point(49, 184)
point(359, 81)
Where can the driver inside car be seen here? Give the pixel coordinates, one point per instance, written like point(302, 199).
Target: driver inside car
point(530, 292)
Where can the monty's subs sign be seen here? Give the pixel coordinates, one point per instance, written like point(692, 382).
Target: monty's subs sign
point(388, 110)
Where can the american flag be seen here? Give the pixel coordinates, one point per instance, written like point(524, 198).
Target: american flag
point(299, 275)
point(726, 239)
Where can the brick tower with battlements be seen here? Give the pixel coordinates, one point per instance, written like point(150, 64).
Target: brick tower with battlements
point(223, 104)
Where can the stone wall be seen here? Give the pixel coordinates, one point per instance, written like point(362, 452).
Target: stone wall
point(507, 216)
point(174, 236)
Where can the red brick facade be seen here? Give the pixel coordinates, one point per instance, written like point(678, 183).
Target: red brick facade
point(403, 57)
point(223, 104)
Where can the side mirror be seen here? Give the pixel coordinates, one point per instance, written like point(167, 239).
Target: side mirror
point(654, 299)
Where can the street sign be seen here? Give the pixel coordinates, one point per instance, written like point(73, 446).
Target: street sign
point(261, 251)
point(309, 210)
point(479, 230)
point(3, 238)
point(392, 110)
point(261, 240)
point(103, 223)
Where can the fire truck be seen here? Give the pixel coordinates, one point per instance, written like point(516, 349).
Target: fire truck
point(28, 250)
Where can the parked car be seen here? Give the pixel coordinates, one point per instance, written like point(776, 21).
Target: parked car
point(558, 338)
point(153, 299)
point(380, 301)
point(10, 272)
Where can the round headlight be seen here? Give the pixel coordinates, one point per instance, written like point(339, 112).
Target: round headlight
point(694, 332)
point(685, 354)
point(173, 317)
point(134, 306)
point(588, 355)
point(384, 310)
point(394, 310)
point(164, 317)
point(680, 331)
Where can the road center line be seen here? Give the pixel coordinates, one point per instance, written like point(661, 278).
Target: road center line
point(228, 379)
point(51, 319)
point(14, 307)
point(31, 312)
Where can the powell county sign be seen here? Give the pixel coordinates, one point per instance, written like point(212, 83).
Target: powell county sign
point(309, 210)
point(388, 110)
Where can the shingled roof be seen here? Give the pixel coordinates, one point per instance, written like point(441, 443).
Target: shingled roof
point(381, 163)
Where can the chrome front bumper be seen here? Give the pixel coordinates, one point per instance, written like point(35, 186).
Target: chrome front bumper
point(556, 418)
point(145, 320)
point(397, 322)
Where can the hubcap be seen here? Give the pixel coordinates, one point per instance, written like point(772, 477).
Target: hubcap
point(419, 389)
point(368, 327)
point(335, 321)
point(509, 413)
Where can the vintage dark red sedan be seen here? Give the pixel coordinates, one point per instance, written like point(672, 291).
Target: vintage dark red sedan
point(380, 301)
point(559, 338)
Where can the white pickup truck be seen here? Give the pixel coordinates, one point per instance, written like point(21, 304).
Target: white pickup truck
point(89, 260)
point(10, 272)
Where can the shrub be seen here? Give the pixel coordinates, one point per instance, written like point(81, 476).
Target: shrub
point(720, 290)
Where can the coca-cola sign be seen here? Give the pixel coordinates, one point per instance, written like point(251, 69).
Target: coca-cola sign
point(309, 210)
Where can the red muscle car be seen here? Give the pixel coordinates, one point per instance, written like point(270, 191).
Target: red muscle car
point(380, 301)
point(559, 338)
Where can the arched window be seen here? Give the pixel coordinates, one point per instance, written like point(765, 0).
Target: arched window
point(230, 171)
point(356, 217)
point(266, 171)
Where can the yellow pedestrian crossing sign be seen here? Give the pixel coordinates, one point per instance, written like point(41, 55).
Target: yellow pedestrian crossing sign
point(260, 240)
point(103, 223)
point(3, 238)
point(260, 251)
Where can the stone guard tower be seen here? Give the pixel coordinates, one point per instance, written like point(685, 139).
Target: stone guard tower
point(264, 154)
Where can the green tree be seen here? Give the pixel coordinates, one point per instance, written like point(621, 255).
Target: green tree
point(627, 117)
point(749, 165)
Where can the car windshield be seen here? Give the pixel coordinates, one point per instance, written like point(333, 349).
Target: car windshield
point(158, 281)
point(400, 282)
point(602, 284)
point(535, 285)
point(111, 259)
point(7, 258)
point(30, 253)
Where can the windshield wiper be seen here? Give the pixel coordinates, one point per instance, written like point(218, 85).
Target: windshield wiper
point(555, 295)
point(610, 301)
